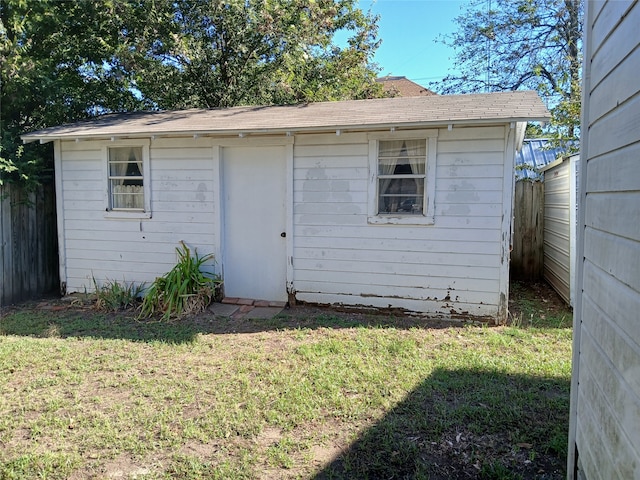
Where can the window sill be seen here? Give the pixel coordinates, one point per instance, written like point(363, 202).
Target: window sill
point(400, 220)
point(124, 215)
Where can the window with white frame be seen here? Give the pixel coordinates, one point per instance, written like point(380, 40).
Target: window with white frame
point(127, 168)
point(403, 184)
point(126, 179)
point(401, 176)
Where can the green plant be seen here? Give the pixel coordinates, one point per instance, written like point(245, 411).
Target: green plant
point(558, 442)
point(184, 290)
point(496, 471)
point(114, 296)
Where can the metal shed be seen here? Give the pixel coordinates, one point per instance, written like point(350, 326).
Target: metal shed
point(560, 196)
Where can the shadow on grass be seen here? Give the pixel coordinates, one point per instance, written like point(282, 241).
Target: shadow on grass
point(67, 321)
point(462, 424)
point(532, 305)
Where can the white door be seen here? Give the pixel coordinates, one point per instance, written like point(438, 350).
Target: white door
point(254, 189)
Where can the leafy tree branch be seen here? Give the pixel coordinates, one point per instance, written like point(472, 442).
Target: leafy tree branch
point(65, 60)
point(522, 44)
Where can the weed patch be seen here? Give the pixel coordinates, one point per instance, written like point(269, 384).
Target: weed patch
point(113, 296)
point(185, 290)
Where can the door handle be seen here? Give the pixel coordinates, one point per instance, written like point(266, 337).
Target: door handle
point(283, 234)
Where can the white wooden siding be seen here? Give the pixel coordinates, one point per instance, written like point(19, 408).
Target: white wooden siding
point(455, 267)
point(451, 267)
point(605, 402)
point(182, 208)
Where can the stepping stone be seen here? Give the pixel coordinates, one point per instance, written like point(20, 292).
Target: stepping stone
point(223, 309)
point(262, 313)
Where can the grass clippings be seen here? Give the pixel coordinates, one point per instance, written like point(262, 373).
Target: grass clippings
point(309, 394)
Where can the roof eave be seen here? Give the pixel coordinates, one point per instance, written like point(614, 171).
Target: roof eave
point(89, 135)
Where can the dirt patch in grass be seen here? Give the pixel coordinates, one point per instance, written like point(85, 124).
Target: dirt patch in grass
point(537, 305)
point(124, 466)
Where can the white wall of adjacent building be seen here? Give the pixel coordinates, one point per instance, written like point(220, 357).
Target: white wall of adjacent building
point(604, 437)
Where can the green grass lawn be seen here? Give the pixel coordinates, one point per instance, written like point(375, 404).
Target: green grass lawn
point(310, 394)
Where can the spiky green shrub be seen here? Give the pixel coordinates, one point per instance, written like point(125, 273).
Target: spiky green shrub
point(186, 289)
point(114, 296)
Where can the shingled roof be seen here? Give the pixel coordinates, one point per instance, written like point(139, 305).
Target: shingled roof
point(353, 115)
point(403, 87)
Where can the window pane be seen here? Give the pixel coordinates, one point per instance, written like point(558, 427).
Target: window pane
point(403, 205)
point(401, 186)
point(402, 195)
point(401, 157)
point(125, 169)
point(126, 196)
point(125, 161)
point(126, 178)
point(392, 148)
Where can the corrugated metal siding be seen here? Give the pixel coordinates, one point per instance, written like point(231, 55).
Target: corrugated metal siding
point(533, 157)
point(605, 401)
point(557, 229)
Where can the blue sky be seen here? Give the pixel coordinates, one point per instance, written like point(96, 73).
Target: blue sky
point(408, 29)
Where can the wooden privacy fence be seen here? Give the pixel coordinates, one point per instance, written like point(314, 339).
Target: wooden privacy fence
point(527, 254)
point(28, 243)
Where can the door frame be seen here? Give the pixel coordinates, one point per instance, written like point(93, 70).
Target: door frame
point(219, 236)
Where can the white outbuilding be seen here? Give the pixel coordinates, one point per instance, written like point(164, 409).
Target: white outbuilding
point(398, 202)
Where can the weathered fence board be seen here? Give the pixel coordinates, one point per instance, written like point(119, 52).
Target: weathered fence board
point(527, 254)
point(28, 243)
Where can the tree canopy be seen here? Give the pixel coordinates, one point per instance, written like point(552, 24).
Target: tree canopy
point(53, 58)
point(220, 54)
point(522, 44)
point(65, 60)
